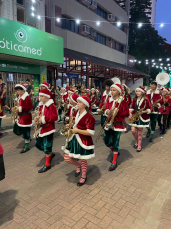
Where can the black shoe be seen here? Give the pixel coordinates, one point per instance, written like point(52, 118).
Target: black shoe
point(77, 174)
point(135, 146)
point(151, 140)
point(112, 167)
point(1, 134)
point(163, 132)
point(81, 184)
point(148, 134)
point(24, 150)
point(160, 128)
point(53, 155)
point(44, 169)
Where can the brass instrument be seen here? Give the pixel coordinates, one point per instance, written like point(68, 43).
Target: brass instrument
point(66, 106)
point(0, 108)
point(107, 119)
point(14, 112)
point(155, 103)
point(69, 133)
point(37, 124)
point(103, 108)
point(135, 117)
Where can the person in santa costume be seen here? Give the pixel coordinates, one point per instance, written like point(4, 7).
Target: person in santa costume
point(139, 102)
point(115, 105)
point(88, 92)
point(45, 85)
point(127, 96)
point(67, 105)
point(23, 123)
point(164, 110)
point(154, 96)
point(105, 97)
point(2, 166)
point(94, 101)
point(62, 100)
point(80, 145)
point(46, 119)
point(2, 115)
point(73, 107)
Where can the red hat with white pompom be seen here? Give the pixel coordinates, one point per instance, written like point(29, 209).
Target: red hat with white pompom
point(85, 100)
point(20, 86)
point(117, 87)
point(71, 91)
point(140, 89)
point(74, 98)
point(45, 84)
point(46, 93)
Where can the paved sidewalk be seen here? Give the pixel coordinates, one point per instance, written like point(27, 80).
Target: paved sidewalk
point(136, 195)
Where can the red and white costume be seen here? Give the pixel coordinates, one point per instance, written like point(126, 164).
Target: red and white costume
point(165, 109)
point(153, 97)
point(104, 99)
point(25, 108)
point(122, 113)
point(2, 115)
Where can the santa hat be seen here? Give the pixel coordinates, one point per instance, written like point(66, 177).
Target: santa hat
point(169, 89)
point(117, 87)
point(63, 88)
point(93, 89)
point(98, 90)
point(140, 89)
point(108, 82)
point(71, 91)
point(166, 89)
point(74, 98)
point(125, 85)
point(88, 89)
point(85, 100)
point(46, 93)
point(20, 86)
point(45, 84)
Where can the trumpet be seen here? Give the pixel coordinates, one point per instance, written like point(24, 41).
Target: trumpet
point(135, 117)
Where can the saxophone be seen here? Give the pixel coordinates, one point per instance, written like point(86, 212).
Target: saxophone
point(0, 108)
point(66, 106)
point(14, 112)
point(135, 117)
point(37, 125)
point(69, 133)
point(155, 103)
point(102, 108)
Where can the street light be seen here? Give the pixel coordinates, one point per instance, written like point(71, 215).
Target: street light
point(98, 23)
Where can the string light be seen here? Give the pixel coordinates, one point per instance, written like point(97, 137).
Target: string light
point(38, 17)
point(32, 14)
point(152, 60)
point(32, 8)
point(78, 21)
point(168, 59)
point(98, 23)
point(139, 25)
point(118, 23)
point(161, 25)
point(33, 1)
point(58, 19)
point(139, 62)
point(160, 59)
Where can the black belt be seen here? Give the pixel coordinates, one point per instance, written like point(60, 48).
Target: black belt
point(24, 113)
point(118, 123)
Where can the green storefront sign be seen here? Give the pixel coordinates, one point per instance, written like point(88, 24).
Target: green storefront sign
point(36, 85)
point(10, 66)
point(20, 40)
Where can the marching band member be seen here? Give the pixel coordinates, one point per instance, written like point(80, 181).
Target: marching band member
point(156, 101)
point(2, 115)
point(45, 85)
point(23, 124)
point(115, 105)
point(80, 144)
point(164, 110)
point(140, 102)
point(105, 96)
point(73, 106)
point(127, 96)
point(46, 119)
point(94, 101)
point(62, 100)
point(68, 105)
point(88, 92)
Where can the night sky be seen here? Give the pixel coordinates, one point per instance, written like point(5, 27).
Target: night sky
point(163, 15)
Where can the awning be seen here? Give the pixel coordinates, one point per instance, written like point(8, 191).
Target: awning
point(99, 61)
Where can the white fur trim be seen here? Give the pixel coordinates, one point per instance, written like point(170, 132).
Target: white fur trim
point(43, 85)
point(83, 101)
point(49, 102)
point(159, 105)
point(3, 116)
point(78, 156)
point(115, 129)
point(148, 120)
point(43, 120)
point(149, 111)
point(73, 100)
point(117, 88)
point(92, 132)
point(72, 92)
point(40, 103)
point(47, 133)
point(81, 144)
point(139, 126)
point(139, 89)
point(20, 109)
point(43, 94)
point(105, 93)
point(93, 89)
point(131, 109)
point(29, 125)
point(156, 92)
point(98, 109)
point(23, 97)
point(19, 85)
point(105, 113)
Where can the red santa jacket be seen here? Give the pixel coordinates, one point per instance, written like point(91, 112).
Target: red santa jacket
point(94, 101)
point(24, 112)
point(85, 121)
point(166, 105)
point(104, 99)
point(153, 97)
point(144, 103)
point(128, 99)
point(122, 113)
point(2, 115)
point(64, 97)
point(1, 150)
point(88, 95)
point(72, 112)
point(49, 116)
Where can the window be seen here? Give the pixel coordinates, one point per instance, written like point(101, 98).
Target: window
point(20, 15)
point(121, 48)
point(70, 25)
point(114, 44)
point(101, 39)
point(31, 21)
point(101, 12)
point(21, 2)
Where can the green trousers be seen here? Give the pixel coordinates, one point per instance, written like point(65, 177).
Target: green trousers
point(103, 118)
point(45, 143)
point(22, 131)
point(153, 121)
point(112, 138)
